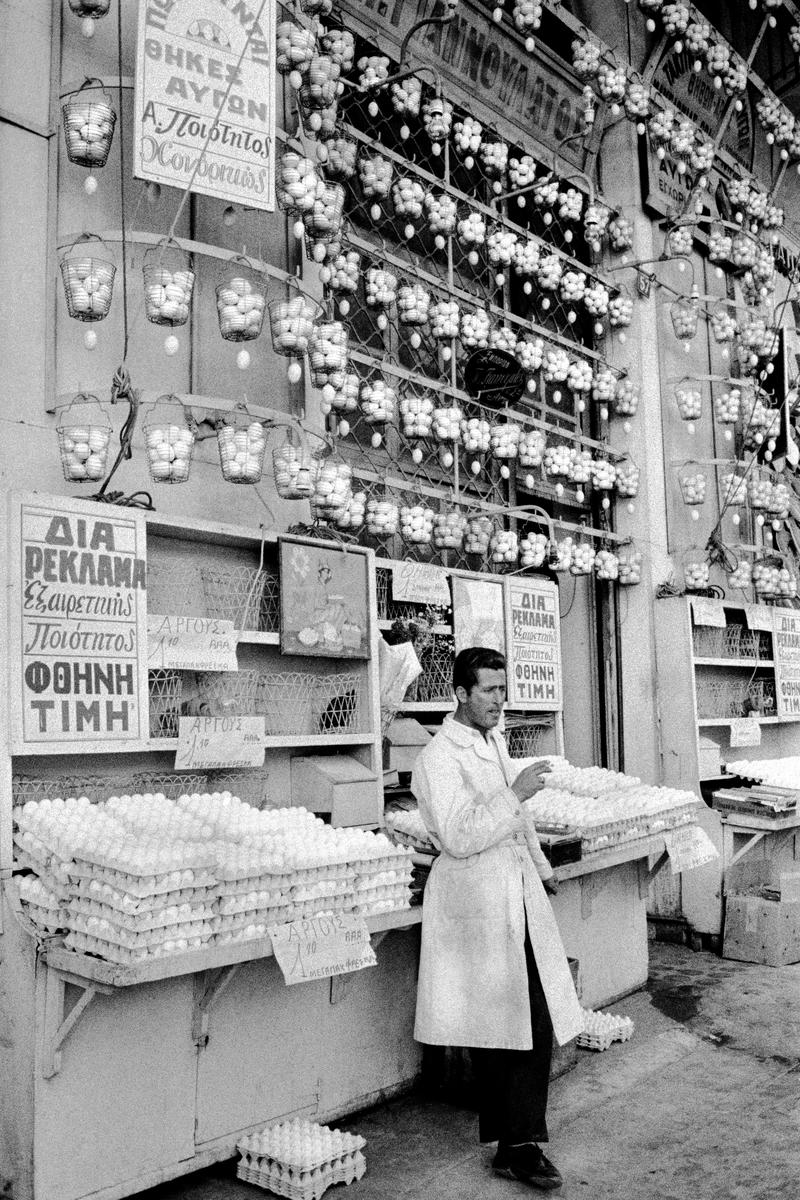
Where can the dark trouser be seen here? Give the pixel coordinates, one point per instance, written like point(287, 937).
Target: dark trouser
point(512, 1084)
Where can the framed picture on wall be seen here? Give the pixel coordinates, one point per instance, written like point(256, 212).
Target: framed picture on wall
point(324, 601)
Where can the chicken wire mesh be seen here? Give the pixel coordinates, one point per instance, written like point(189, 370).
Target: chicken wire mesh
point(165, 690)
point(250, 597)
point(434, 685)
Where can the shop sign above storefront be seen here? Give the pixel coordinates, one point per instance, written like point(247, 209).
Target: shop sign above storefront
point(205, 98)
point(494, 377)
point(533, 639)
point(533, 92)
point(78, 656)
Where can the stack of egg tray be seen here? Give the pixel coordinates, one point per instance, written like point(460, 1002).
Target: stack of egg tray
point(31, 854)
point(41, 905)
point(300, 1159)
point(630, 829)
point(601, 1029)
point(128, 918)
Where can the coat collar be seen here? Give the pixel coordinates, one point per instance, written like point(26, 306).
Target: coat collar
point(462, 735)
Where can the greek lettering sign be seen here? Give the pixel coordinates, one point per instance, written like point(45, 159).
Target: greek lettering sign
point(79, 627)
point(533, 640)
point(689, 847)
point(786, 648)
point(190, 643)
point(321, 946)
point(536, 94)
point(494, 377)
point(205, 98)
point(219, 742)
point(420, 583)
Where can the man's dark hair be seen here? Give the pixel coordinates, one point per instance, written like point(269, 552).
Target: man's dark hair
point(472, 660)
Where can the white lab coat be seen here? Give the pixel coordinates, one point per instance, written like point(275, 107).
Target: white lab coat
point(473, 981)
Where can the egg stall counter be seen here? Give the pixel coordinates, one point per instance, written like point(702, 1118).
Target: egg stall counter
point(152, 857)
point(606, 834)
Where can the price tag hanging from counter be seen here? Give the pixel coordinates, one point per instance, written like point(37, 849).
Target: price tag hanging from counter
point(688, 847)
point(322, 946)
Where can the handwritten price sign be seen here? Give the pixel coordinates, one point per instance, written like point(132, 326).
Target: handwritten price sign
point(322, 946)
point(689, 847)
point(191, 643)
point(220, 742)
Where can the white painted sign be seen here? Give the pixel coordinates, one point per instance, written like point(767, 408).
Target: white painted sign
point(533, 639)
point(478, 614)
point(745, 731)
point(708, 612)
point(758, 616)
point(191, 643)
point(786, 650)
point(319, 947)
point(688, 847)
point(77, 669)
point(205, 98)
point(422, 583)
point(220, 742)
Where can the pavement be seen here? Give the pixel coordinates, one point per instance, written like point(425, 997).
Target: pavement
point(702, 1104)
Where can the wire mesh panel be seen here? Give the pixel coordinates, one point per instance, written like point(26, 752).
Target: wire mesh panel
point(165, 688)
point(714, 698)
point(230, 693)
point(250, 786)
point(338, 703)
point(245, 595)
point(171, 785)
point(41, 787)
point(524, 740)
point(286, 700)
point(435, 683)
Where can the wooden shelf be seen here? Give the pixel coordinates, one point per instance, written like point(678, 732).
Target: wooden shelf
point(751, 663)
point(289, 741)
point(420, 706)
point(252, 637)
point(708, 722)
point(601, 860)
point(97, 970)
point(440, 629)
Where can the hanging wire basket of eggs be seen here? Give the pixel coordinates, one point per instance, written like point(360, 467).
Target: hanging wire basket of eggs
point(693, 482)
point(241, 441)
point(630, 565)
point(295, 47)
point(477, 536)
point(168, 283)
point(696, 571)
point(684, 313)
point(297, 185)
point(89, 122)
point(293, 467)
point(241, 300)
point(84, 432)
point(340, 270)
point(169, 436)
point(339, 155)
point(291, 322)
point(449, 528)
point(88, 279)
point(323, 219)
point(327, 354)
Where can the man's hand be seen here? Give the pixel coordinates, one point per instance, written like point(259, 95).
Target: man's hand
point(530, 779)
point(550, 885)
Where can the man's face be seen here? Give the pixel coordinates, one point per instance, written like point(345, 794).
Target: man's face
point(482, 705)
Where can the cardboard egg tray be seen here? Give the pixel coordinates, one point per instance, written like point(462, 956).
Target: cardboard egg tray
point(32, 853)
point(299, 1184)
point(125, 956)
point(146, 922)
point(58, 886)
point(128, 939)
point(143, 884)
point(134, 905)
point(617, 1029)
point(48, 920)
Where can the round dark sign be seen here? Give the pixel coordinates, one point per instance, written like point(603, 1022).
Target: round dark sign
point(494, 377)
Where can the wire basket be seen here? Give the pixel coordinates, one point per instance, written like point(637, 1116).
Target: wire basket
point(84, 432)
point(323, 221)
point(41, 787)
point(708, 642)
point(242, 443)
point(170, 784)
point(89, 125)
point(231, 693)
point(168, 283)
point(241, 301)
point(327, 353)
point(249, 785)
point(435, 683)
point(342, 156)
point(684, 313)
point(524, 740)
point(88, 281)
point(338, 703)
point(716, 698)
point(165, 691)
point(285, 699)
point(248, 596)
point(291, 323)
point(169, 439)
point(293, 467)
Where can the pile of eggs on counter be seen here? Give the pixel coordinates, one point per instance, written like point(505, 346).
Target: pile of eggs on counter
point(300, 1159)
point(776, 772)
point(592, 799)
point(141, 876)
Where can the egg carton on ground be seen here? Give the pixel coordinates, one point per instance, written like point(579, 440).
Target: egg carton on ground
point(601, 1030)
point(299, 1185)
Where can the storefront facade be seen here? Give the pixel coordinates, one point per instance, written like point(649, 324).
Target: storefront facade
point(517, 188)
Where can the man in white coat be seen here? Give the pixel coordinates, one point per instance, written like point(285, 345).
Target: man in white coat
point(493, 973)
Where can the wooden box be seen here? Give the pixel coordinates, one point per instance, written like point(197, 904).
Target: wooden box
point(340, 785)
point(762, 930)
point(405, 738)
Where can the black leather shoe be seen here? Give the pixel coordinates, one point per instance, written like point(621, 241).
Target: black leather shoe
point(528, 1165)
